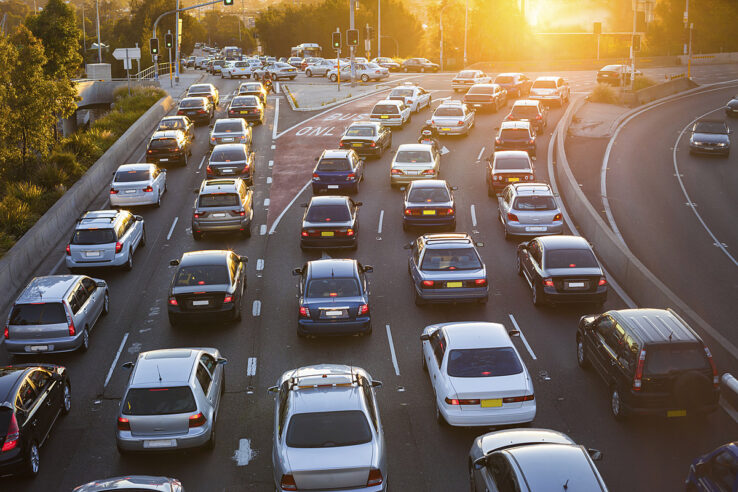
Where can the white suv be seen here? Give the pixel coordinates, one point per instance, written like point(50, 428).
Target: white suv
point(550, 90)
point(236, 69)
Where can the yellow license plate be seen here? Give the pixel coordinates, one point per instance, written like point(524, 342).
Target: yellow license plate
point(676, 413)
point(384, 116)
point(357, 145)
point(429, 212)
point(454, 284)
point(512, 180)
point(244, 112)
point(497, 402)
point(445, 129)
point(327, 234)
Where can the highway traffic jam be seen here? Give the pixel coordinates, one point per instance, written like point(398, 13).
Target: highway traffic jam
point(398, 240)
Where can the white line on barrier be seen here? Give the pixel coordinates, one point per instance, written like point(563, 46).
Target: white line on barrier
point(522, 337)
point(251, 367)
point(474, 217)
point(392, 350)
point(274, 146)
point(381, 218)
point(202, 162)
point(256, 308)
point(171, 229)
point(115, 361)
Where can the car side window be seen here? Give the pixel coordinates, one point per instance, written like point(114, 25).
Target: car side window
point(81, 295)
point(26, 396)
point(502, 474)
point(208, 361)
point(438, 344)
point(605, 328)
point(233, 268)
point(89, 285)
point(73, 303)
point(416, 252)
point(40, 379)
point(535, 252)
point(724, 470)
point(628, 351)
point(284, 393)
point(203, 378)
point(366, 388)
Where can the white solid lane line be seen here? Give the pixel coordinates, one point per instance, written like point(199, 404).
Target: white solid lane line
point(259, 265)
point(266, 202)
point(171, 229)
point(392, 350)
point(275, 123)
point(474, 217)
point(115, 361)
point(294, 198)
point(381, 218)
point(522, 337)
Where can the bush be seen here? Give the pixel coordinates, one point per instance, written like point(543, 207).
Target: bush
point(49, 176)
point(604, 93)
point(84, 145)
point(641, 82)
point(16, 216)
point(67, 162)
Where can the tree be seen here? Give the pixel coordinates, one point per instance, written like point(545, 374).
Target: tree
point(56, 27)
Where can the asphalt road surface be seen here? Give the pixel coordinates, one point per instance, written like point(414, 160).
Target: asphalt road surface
point(648, 455)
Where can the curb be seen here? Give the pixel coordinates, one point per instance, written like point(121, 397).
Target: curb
point(290, 96)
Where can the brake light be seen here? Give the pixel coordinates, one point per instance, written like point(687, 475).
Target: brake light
point(460, 122)
point(375, 478)
point(396, 172)
point(180, 112)
point(304, 312)
point(288, 482)
point(69, 252)
point(349, 232)
point(480, 282)
point(238, 213)
point(715, 378)
point(429, 172)
point(200, 110)
point(408, 211)
point(316, 176)
point(518, 399)
point(512, 217)
point(363, 309)
point(547, 282)
point(70, 320)
point(498, 142)
point(118, 247)
point(639, 371)
point(197, 420)
point(455, 401)
point(539, 117)
point(557, 217)
point(509, 117)
point(603, 281)
point(340, 144)
point(428, 283)
point(148, 189)
point(209, 169)
point(149, 151)
point(304, 233)
point(173, 302)
point(351, 177)
point(113, 191)
point(532, 141)
point(124, 424)
point(7, 332)
point(227, 299)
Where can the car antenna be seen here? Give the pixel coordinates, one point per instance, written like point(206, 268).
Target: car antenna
point(566, 484)
point(158, 372)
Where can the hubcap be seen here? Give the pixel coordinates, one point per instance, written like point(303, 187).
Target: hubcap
point(580, 351)
point(615, 402)
point(34, 458)
point(86, 338)
point(67, 398)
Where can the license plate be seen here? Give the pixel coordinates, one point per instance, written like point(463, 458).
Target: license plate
point(244, 112)
point(497, 402)
point(219, 216)
point(454, 284)
point(513, 180)
point(227, 171)
point(333, 313)
point(37, 348)
point(200, 303)
point(575, 285)
point(676, 413)
point(445, 129)
point(357, 145)
point(130, 191)
point(332, 187)
point(535, 229)
point(384, 116)
point(160, 443)
point(92, 254)
point(191, 112)
point(477, 105)
point(327, 233)
point(429, 212)
point(228, 140)
point(166, 159)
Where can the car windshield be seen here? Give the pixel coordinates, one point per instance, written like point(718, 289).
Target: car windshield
point(467, 74)
point(666, 359)
point(162, 143)
point(245, 101)
point(218, 200)
point(443, 112)
point(94, 236)
point(192, 275)
point(612, 68)
point(438, 259)
point(228, 155)
point(514, 134)
point(228, 126)
point(524, 111)
point(534, 203)
point(385, 109)
point(360, 131)
point(334, 165)
point(710, 127)
point(159, 401)
point(428, 195)
point(481, 90)
point(402, 93)
point(48, 313)
point(570, 258)
point(251, 88)
point(199, 88)
point(171, 124)
point(413, 156)
point(319, 288)
point(133, 175)
point(328, 429)
point(191, 103)
point(328, 213)
point(504, 79)
point(483, 362)
point(544, 84)
point(512, 164)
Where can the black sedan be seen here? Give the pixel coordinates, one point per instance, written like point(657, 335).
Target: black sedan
point(419, 65)
point(249, 108)
point(731, 109)
point(516, 135)
point(207, 284)
point(616, 74)
point(561, 269)
point(198, 109)
point(429, 204)
point(710, 137)
point(333, 298)
point(34, 397)
point(330, 222)
point(366, 138)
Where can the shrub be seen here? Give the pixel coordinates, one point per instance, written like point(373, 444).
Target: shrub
point(604, 93)
point(67, 162)
point(49, 176)
point(641, 82)
point(16, 216)
point(84, 145)
point(25, 191)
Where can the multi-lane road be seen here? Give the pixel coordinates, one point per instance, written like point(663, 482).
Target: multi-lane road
point(648, 454)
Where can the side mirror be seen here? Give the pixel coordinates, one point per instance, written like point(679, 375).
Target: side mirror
point(101, 283)
point(196, 191)
point(424, 337)
point(223, 361)
point(138, 218)
point(408, 246)
point(368, 268)
point(454, 188)
point(402, 188)
point(173, 262)
point(497, 128)
point(488, 159)
point(376, 384)
point(358, 204)
point(513, 333)
point(297, 272)
point(243, 259)
point(480, 463)
point(523, 245)
point(127, 365)
point(595, 454)
point(273, 389)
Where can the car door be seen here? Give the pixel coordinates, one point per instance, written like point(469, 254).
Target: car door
point(437, 347)
point(602, 354)
point(205, 383)
point(50, 395)
point(504, 204)
point(31, 408)
point(722, 474)
point(85, 315)
point(280, 422)
point(414, 260)
point(216, 373)
point(530, 261)
point(354, 211)
point(95, 297)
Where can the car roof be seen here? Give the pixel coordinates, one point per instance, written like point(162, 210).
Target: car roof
point(365, 123)
point(451, 102)
point(47, 288)
point(505, 125)
point(329, 200)
point(475, 334)
point(655, 325)
point(564, 242)
point(532, 189)
point(332, 267)
point(230, 120)
point(414, 147)
point(430, 183)
point(548, 77)
point(193, 98)
point(9, 377)
point(140, 482)
point(391, 102)
point(546, 465)
point(526, 102)
point(164, 367)
point(326, 396)
point(229, 146)
point(509, 74)
point(447, 239)
point(205, 257)
point(138, 166)
point(502, 154)
point(335, 154)
point(174, 117)
point(496, 440)
point(97, 219)
point(225, 185)
point(199, 87)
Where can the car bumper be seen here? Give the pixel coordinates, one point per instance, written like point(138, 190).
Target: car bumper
point(376, 150)
point(551, 295)
point(482, 105)
point(407, 179)
point(731, 112)
point(12, 461)
point(428, 221)
point(193, 439)
point(531, 150)
point(525, 229)
point(461, 294)
point(377, 488)
point(493, 417)
point(179, 314)
point(119, 260)
point(695, 149)
point(551, 97)
point(452, 130)
point(310, 327)
point(459, 85)
point(334, 187)
point(53, 345)
point(236, 225)
point(165, 160)
point(245, 176)
point(123, 201)
point(664, 404)
point(328, 242)
point(388, 122)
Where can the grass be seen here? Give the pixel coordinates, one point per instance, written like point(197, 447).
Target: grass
point(641, 82)
point(604, 93)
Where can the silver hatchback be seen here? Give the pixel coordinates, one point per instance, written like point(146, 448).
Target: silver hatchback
point(172, 400)
point(223, 205)
point(105, 238)
point(230, 130)
point(327, 431)
point(529, 209)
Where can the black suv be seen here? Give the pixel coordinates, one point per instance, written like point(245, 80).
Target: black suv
point(652, 361)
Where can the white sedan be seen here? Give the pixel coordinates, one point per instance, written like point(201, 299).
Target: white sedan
point(477, 375)
point(236, 69)
point(138, 184)
point(468, 78)
point(414, 97)
point(364, 71)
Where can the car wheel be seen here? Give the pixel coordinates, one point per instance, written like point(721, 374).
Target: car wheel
point(582, 360)
point(158, 201)
point(33, 460)
point(129, 263)
point(237, 313)
point(365, 78)
point(142, 241)
point(616, 404)
point(518, 265)
point(85, 340)
point(66, 399)
point(106, 304)
point(173, 319)
point(247, 231)
point(333, 78)
point(309, 73)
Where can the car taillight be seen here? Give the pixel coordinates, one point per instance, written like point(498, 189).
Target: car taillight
point(70, 320)
point(197, 420)
point(512, 217)
point(209, 170)
point(539, 117)
point(603, 281)
point(428, 283)
point(69, 252)
point(340, 144)
point(238, 213)
point(350, 232)
point(118, 247)
point(547, 282)
point(456, 401)
point(396, 171)
point(148, 189)
point(180, 112)
point(113, 191)
point(518, 399)
point(304, 233)
point(375, 478)
point(227, 299)
point(639, 371)
point(480, 282)
point(200, 110)
point(173, 302)
point(363, 309)
point(304, 312)
point(373, 144)
point(316, 176)
point(498, 142)
point(715, 378)
point(460, 122)
point(288, 482)
point(429, 172)
point(557, 217)
point(12, 435)
point(509, 117)
point(408, 211)
point(351, 177)
point(531, 141)
point(7, 332)
point(124, 424)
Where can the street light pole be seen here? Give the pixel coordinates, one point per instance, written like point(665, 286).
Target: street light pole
point(379, 28)
point(466, 28)
point(686, 24)
point(176, 45)
point(99, 46)
point(352, 6)
point(440, 23)
point(632, 50)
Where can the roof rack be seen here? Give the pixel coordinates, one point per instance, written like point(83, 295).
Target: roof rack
point(323, 381)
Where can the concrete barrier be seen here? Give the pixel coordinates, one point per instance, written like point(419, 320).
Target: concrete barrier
point(679, 84)
point(729, 390)
point(43, 239)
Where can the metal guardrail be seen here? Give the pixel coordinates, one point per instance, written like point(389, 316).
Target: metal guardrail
point(150, 73)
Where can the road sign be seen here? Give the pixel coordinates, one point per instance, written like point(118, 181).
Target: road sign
point(127, 64)
point(133, 53)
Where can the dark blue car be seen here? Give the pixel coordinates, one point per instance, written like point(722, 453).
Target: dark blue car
point(334, 298)
point(716, 471)
point(429, 204)
point(338, 171)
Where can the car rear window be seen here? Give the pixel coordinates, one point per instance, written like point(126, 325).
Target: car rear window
point(514, 134)
point(428, 195)
point(132, 175)
point(481, 90)
point(318, 288)
point(228, 126)
point(191, 103)
point(438, 259)
point(192, 275)
point(544, 84)
point(512, 164)
point(534, 203)
point(171, 125)
point(218, 200)
point(328, 429)
point(245, 101)
point(467, 74)
point(570, 258)
point(385, 109)
point(666, 359)
point(360, 131)
point(328, 213)
point(483, 362)
point(94, 236)
point(162, 143)
point(159, 401)
point(228, 155)
point(443, 112)
point(334, 165)
point(504, 79)
point(199, 88)
point(45, 313)
point(413, 156)
point(524, 111)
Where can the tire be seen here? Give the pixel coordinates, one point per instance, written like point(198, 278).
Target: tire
point(66, 399)
point(129, 264)
point(365, 78)
point(173, 320)
point(158, 201)
point(211, 442)
point(309, 73)
point(616, 404)
point(333, 78)
point(106, 304)
point(33, 460)
point(142, 242)
point(247, 232)
point(582, 360)
point(85, 340)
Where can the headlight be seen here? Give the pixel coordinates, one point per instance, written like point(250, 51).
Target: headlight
point(722, 144)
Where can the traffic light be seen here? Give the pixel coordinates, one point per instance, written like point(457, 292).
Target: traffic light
point(154, 46)
point(168, 40)
point(636, 43)
point(336, 40)
point(369, 32)
point(227, 2)
point(597, 28)
point(352, 37)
